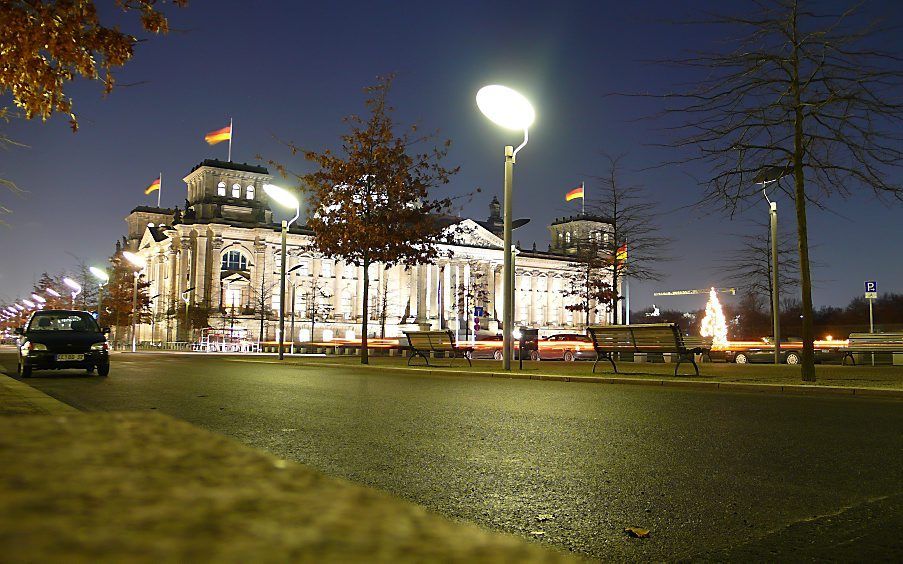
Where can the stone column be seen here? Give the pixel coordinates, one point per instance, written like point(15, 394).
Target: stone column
point(214, 262)
point(531, 312)
point(421, 293)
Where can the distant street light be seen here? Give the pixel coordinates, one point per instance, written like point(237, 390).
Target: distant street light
point(287, 200)
point(509, 109)
point(52, 292)
point(765, 177)
point(138, 263)
point(74, 286)
point(102, 279)
point(29, 304)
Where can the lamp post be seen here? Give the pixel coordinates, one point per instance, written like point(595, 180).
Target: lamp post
point(288, 200)
point(509, 109)
point(765, 177)
point(102, 279)
point(138, 263)
point(75, 287)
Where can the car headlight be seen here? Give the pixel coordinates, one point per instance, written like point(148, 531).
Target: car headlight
point(36, 347)
point(99, 347)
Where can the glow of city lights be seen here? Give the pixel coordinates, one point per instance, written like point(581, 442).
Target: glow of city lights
point(714, 324)
point(100, 274)
point(75, 286)
point(133, 258)
point(506, 107)
point(282, 196)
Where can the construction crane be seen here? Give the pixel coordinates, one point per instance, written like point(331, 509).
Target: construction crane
point(731, 291)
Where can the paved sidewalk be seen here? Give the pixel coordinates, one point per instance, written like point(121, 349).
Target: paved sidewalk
point(148, 488)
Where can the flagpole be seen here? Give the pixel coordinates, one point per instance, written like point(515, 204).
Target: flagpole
point(583, 199)
point(230, 140)
point(160, 189)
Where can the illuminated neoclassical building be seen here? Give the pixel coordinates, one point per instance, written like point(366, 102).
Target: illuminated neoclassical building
point(221, 255)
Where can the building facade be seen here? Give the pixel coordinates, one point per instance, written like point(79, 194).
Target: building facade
point(217, 264)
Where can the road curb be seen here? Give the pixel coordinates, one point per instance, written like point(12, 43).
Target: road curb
point(693, 384)
point(36, 402)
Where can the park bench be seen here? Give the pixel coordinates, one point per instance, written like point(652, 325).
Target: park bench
point(872, 343)
point(647, 338)
point(422, 343)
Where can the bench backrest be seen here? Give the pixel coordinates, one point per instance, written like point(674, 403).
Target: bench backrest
point(696, 343)
point(431, 340)
point(876, 341)
point(650, 337)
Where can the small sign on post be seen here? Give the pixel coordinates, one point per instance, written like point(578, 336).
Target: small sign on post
point(871, 290)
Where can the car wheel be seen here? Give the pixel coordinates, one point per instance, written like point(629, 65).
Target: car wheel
point(103, 369)
point(568, 356)
point(24, 370)
point(741, 359)
point(534, 355)
point(497, 355)
point(792, 358)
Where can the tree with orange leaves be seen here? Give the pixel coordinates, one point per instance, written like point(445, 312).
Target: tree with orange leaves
point(373, 201)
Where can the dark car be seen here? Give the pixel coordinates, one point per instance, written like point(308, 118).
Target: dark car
point(791, 352)
point(59, 339)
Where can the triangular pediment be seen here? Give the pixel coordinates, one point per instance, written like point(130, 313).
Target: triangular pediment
point(470, 233)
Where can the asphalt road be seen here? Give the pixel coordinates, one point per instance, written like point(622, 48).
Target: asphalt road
point(712, 475)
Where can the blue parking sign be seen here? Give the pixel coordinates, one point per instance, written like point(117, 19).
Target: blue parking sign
point(871, 286)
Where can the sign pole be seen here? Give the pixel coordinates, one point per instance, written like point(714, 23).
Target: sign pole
point(871, 325)
point(871, 294)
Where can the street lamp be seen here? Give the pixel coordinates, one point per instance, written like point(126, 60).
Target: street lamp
point(765, 177)
point(138, 263)
point(509, 109)
point(102, 279)
point(287, 200)
point(74, 286)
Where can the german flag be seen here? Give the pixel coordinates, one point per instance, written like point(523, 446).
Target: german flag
point(621, 255)
point(574, 194)
point(155, 185)
point(219, 135)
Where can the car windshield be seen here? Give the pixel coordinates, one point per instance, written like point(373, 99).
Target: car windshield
point(59, 321)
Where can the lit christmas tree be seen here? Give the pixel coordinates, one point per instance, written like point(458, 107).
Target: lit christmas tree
point(714, 324)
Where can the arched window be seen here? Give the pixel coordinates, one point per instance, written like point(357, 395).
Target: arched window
point(236, 190)
point(221, 189)
point(567, 237)
point(249, 193)
point(234, 260)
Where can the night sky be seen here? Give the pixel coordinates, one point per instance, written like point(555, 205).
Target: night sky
point(292, 70)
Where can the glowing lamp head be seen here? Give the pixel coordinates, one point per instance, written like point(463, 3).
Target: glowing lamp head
point(100, 274)
point(282, 196)
point(505, 107)
point(516, 334)
point(133, 259)
point(73, 285)
point(52, 292)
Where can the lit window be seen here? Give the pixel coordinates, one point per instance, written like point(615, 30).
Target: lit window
point(234, 260)
point(523, 312)
point(567, 237)
point(221, 189)
point(232, 299)
point(303, 268)
point(525, 282)
point(541, 284)
point(236, 190)
point(249, 193)
point(326, 268)
point(275, 301)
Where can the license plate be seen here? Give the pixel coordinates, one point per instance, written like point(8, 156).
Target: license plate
point(65, 357)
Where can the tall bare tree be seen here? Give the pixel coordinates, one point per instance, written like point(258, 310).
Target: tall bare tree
point(587, 288)
point(748, 266)
point(374, 199)
point(802, 92)
point(632, 241)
